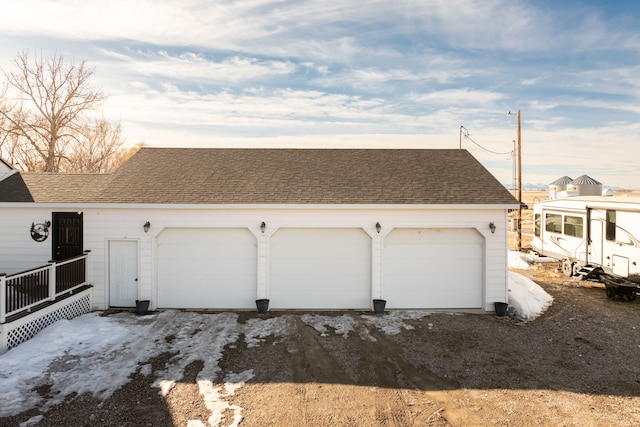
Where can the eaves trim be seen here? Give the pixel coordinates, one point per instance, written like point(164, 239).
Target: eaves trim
point(82, 206)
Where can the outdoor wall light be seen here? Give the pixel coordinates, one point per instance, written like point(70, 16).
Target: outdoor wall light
point(492, 226)
point(263, 226)
point(378, 227)
point(146, 226)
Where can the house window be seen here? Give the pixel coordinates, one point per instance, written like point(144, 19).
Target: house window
point(573, 226)
point(553, 223)
point(611, 225)
point(536, 225)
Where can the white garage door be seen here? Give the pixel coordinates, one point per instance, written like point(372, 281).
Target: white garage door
point(320, 269)
point(206, 268)
point(433, 268)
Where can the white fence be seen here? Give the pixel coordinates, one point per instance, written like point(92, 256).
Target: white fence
point(34, 299)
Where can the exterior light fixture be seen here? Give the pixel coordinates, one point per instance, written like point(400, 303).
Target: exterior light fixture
point(146, 226)
point(378, 227)
point(492, 226)
point(263, 226)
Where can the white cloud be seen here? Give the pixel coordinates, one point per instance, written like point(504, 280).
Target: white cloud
point(407, 72)
point(495, 25)
point(467, 97)
point(195, 67)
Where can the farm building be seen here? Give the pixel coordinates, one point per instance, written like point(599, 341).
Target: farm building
point(559, 186)
point(584, 185)
point(304, 228)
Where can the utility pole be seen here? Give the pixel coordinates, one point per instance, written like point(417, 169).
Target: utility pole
point(466, 134)
point(519, 212)
point(519, 235)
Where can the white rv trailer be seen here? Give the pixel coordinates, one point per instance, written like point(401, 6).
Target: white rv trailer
point(590, 231)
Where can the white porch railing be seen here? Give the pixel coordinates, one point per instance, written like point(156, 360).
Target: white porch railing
point(24, 291)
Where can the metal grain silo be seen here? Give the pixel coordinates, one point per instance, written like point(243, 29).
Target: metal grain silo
point(559, 185)
point(585, 186)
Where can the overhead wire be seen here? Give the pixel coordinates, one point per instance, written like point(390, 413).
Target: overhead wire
point(511, 153)
point(467, 136)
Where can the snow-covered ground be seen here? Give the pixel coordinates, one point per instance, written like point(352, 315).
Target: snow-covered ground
point(95, 354)
point(527, 300)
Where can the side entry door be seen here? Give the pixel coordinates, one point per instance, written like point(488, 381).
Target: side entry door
point(123, 273)
point(66, 235)
point(596, 238)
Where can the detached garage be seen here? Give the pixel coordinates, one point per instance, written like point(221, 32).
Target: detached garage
point(309, 229)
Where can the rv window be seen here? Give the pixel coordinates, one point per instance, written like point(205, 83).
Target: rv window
point(536, 225)
point(611, 225)
point(553, 223)
point(573, 226)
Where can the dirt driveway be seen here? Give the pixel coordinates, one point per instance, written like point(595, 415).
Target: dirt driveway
point(577, 365)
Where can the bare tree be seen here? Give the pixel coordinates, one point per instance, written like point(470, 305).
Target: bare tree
point(44, 121)
point(125, 153)
point(96, 150)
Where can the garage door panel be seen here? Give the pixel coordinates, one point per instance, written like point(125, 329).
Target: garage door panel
point(320, 269)
point(206, 268)
point(433, 268)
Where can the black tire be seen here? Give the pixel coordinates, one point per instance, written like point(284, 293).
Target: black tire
point(632, 296)
point(611, 293)
point(567, 268)
point(575, 269)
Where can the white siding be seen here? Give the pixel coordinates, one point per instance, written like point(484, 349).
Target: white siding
point(18, 251)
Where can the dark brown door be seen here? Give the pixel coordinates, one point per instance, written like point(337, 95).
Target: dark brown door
point(67, 235)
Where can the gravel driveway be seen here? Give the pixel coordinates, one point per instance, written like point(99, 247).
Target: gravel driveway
point(576, 365)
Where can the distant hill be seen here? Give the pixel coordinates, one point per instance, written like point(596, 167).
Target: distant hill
point(545, 187)
point(529, 187)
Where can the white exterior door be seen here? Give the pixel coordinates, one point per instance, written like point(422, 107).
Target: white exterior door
point(206, 268)
point(433, 268)
point(320, 269)
point(123, 273)
point(595, 245)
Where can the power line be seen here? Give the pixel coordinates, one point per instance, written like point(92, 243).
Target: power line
point(467, 136)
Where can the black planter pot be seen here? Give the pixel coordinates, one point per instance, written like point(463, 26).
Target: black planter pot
point(378, 306)
point(142, 306)
point(501, 308)
point(262, 306)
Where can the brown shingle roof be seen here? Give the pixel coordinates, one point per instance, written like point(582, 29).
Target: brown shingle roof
point(67, 188)
point(14, 189)
point(282, 176)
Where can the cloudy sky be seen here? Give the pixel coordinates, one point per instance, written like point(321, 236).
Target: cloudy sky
point(366, 73)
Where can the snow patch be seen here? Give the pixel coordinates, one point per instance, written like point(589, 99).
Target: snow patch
point(524, 261)
point(394, 322)
point(65, 355)
point(527, 300)
point(257, 329)
point(214, 399)
point(341, 324)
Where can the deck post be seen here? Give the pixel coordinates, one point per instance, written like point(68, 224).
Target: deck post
point(52, 280)
point(3, 297)
point(87, 267)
